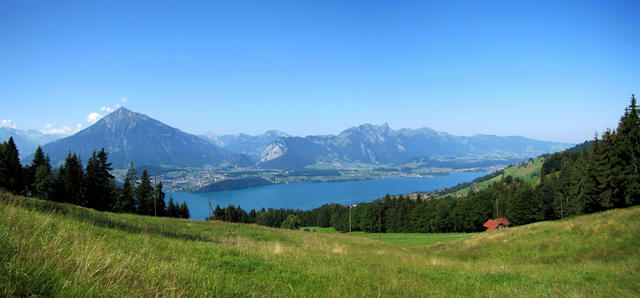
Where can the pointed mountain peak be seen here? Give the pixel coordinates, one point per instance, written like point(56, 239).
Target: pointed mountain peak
point(123, 114)
point(122, 110)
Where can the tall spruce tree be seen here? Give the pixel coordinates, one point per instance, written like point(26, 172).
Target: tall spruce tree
point(144, 194)
point(545, 191)
point(160, 206)
point(603, 160)
point(39, 175)
point(11, 172)
point(172, 208)
point(72, 181)
point(590, 191)
point(184, 211)
point(99, 182)
point(218, 213)
point(126, 202)
point(576, 189)
point(42, 186)
point(627, 158)
point(30, 171)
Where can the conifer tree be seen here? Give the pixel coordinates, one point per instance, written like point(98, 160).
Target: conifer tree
point(576, 189)
point(171, 208)
point(627, 157)
point(545, 191)
point(72, 181)
point(126, 201)
point(590, 192)
point(524, 207)
point(184, 211)
point(604, 166)
point(42, 186)
point(40, 175)
point(30, 171)
point(144, 194)
point(99, 181)
point(218, 213)
point(562, 195)
point(159, 195)
point(11, 172)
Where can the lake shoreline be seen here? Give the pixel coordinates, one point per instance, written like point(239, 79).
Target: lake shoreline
point(309, 195)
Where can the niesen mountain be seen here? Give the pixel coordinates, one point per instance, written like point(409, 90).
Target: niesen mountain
point(27, 140)
point(371, 144)
point(133, 137)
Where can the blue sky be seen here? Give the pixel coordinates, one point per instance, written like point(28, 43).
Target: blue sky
point(556, 70)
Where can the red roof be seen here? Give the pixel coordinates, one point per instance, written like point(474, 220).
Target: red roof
point(494, 224)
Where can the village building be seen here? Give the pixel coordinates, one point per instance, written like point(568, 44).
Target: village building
point(497, 224)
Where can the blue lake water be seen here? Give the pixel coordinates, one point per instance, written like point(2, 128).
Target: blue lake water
point(306, 196)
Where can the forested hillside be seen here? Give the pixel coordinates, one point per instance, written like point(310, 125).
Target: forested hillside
point(92, 186)
point(593, 176)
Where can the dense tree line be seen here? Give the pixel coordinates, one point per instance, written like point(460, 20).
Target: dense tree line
point(92, 186)
point(594, 176)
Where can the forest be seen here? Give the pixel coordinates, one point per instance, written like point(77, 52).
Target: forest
point(594, 176)
point(92, 186)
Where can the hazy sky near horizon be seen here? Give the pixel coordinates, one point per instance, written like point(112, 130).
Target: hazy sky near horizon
point(551, 70)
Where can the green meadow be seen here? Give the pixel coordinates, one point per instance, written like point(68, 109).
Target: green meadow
point(406, 239)
point(52, 249)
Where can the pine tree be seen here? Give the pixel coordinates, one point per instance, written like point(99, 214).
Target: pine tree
point(41, 182)
point(42, 187)
point(576, 189)
point(30, 171)
point(127, 202)
point(184, 211)
point(627, 157)
point(562, 194)
point(171, 208)
point(218, 213)
point(11, 172)
point(72, 181)
point(144, 194)
point(160, 206)
point(590, 191)
point(99, 181)
point(604, 165)
point(545, 191)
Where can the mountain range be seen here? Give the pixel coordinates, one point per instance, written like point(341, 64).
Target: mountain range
point(133, 137)
point(252, 146)
point(371, 144)
point(27, 140)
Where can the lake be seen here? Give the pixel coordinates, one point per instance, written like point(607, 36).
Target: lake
point(306, 196)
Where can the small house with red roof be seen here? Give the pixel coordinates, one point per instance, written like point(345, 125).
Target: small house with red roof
point(497, 224)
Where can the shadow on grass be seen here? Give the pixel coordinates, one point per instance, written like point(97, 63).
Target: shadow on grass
point(99, 218)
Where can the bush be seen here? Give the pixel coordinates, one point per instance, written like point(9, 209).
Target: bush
point(292, 222)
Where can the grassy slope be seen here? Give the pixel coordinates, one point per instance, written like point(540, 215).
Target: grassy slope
point(526, 172)
point(62, 250)
point(406, 239)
